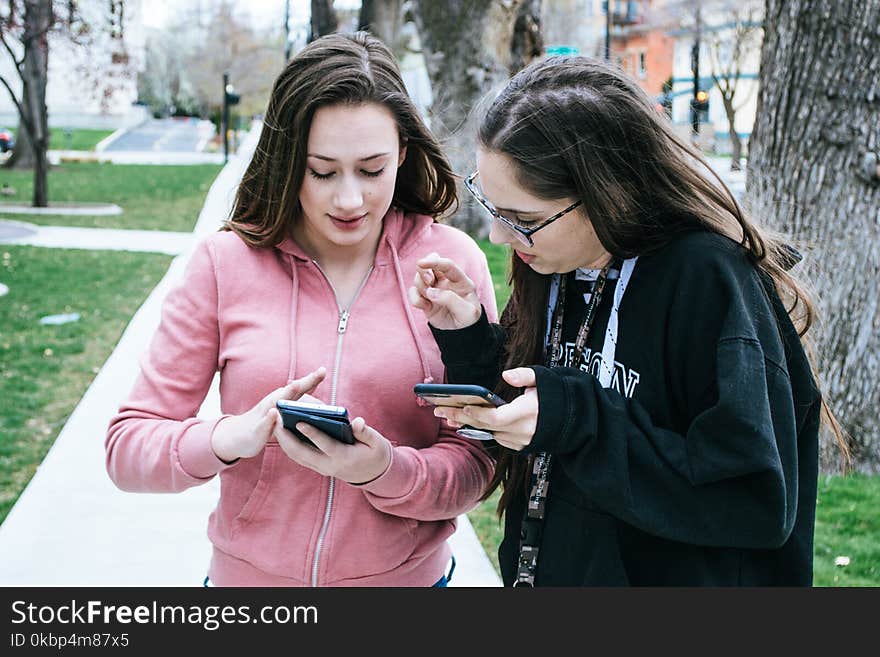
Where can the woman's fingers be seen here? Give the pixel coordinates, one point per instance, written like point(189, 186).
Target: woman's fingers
point(464, 312)
point(444, 268)
point(364, 433)
point(417, 299)
point(520, 415)
point(306, 384)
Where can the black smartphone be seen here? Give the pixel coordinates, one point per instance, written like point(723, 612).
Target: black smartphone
point(459, 395)
point(332, 420)
point(453, 394)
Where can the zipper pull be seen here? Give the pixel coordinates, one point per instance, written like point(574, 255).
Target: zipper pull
point(343, 321)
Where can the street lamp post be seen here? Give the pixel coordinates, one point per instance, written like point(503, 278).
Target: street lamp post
point(225, 118)
point(695, 65)
point(287, 31)
point(229, 98)
point(608, 30)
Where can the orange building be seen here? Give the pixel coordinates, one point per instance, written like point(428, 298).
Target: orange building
point(640, 42)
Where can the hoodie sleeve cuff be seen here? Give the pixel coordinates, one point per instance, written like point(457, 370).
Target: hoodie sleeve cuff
point(399, 477)
point(465, 345)
point(553, 411)
point(195, 454)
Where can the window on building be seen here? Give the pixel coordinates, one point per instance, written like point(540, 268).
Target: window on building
point(643, 64)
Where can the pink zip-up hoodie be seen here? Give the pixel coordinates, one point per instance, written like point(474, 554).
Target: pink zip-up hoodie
point(262, 317)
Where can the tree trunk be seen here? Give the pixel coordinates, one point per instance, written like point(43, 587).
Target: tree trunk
point(383, 19)
point(735, 151)
point(33, 133)
point(324, 19)
point(23, 152)
point(467, 48)
point(528, 40)
point(818, 124)
point(735, 141)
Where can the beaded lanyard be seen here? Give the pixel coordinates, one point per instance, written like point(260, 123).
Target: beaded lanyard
point(532, 522)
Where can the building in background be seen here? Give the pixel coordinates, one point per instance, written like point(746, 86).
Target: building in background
point(653, 39)
point(94, 87)
point(641, 42)
point(574, 26)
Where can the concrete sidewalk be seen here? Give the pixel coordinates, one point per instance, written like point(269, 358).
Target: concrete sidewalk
point(73, 527)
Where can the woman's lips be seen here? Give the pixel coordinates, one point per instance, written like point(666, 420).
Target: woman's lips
point(525, 257)
point(348, 223)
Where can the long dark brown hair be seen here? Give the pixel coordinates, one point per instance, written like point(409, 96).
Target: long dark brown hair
point(576, 127)
point(335, 69)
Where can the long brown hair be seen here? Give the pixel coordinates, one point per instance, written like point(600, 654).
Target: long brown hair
point(335, 69)
point(576, 127)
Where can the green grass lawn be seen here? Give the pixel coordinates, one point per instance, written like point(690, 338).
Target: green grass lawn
point(152, 197)
point(45, 370)
point(848, 525)
point(847, 512)
point(76, 140)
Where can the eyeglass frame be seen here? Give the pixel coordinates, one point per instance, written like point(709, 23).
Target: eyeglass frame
point(523, 234)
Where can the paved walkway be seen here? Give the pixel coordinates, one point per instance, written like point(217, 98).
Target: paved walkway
point(72, 526)
point(65, 237)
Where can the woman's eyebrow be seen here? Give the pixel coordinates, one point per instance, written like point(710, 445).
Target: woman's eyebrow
point(330, 159)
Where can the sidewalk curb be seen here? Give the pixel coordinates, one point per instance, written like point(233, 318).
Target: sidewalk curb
point(109, 139)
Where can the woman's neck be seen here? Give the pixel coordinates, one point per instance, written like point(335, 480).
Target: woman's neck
point(597, 262)
point(334, 258)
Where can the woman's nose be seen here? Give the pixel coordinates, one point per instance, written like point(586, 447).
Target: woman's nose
point(497, 234)
point(348, 195)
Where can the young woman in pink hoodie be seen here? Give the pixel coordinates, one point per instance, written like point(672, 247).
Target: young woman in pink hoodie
point(303, 295)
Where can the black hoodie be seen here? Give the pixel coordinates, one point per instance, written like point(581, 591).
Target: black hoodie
point(698, 465)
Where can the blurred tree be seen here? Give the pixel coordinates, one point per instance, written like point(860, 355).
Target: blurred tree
point(730, 34)
point(24, 29)
point(229, 43)
point(467, 49)
point(729, 50)
point(384, 20)
point(528, 41)
point(323, 20)
point(186, 60)
point(812, 173)
point(27, 28)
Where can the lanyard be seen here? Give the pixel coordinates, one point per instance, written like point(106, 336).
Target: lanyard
point(532, 522)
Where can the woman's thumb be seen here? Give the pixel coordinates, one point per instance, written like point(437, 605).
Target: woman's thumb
point(520, 377)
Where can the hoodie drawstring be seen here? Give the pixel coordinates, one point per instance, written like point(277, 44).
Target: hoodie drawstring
point(410, 320)
point(294, 301)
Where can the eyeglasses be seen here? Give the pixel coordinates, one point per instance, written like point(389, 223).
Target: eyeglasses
point(524, 235)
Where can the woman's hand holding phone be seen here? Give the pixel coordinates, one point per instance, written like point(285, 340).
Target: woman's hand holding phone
point(367, 459)
point(513, 425)
point(243, 436)
point(444, 293)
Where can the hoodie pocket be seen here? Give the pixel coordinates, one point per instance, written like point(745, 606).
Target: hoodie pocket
point(363, 541)
point(260, 490)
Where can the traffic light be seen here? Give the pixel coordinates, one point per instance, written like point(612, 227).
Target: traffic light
point(232, 98)
point(701, 102)
point(229, 98)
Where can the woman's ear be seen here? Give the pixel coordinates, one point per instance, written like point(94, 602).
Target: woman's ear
point(402, 155)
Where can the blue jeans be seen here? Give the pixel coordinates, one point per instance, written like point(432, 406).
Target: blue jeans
point(442, 582)
point(447, 577)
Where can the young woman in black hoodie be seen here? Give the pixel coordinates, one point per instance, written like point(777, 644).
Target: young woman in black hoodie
point(666, 430)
